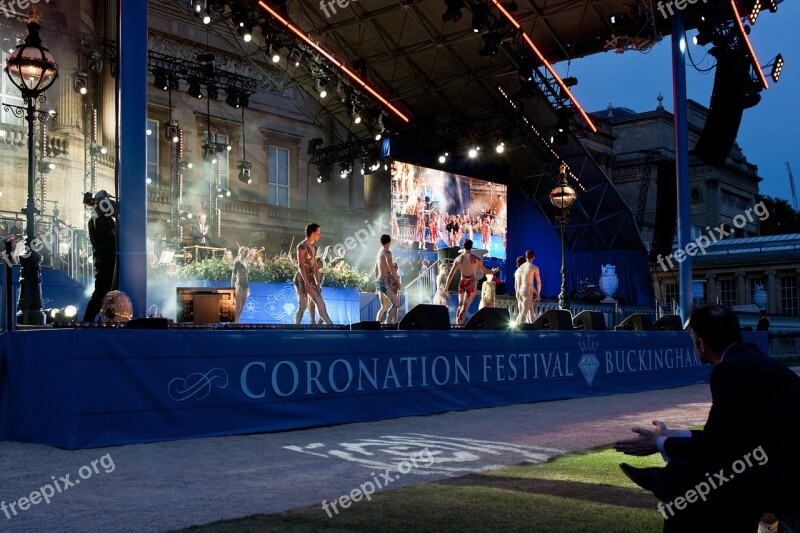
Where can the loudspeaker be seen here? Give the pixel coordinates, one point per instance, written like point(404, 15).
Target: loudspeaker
point(426, 316)
point(489, 318)
point(554, 319)
point(366, 324)
point(666, 211)
point(590, 320)
point(636, 322)
point(148, 323)
point(668, 323)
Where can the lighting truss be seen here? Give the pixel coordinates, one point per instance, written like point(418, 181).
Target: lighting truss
point(184, 69)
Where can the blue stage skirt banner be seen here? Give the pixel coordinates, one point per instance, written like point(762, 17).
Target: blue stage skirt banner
point(105, 387)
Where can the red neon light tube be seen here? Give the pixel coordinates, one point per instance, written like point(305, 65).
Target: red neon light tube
point(294, 29)
point(547, 65)
point(749, 46)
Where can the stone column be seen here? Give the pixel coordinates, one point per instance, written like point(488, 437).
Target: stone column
point(741, 288)
point(772, 291)
point(711, 282)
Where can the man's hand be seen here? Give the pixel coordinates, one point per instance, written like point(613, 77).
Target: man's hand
point(644, 444)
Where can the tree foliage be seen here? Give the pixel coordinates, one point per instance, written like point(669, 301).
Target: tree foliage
point(782, 218)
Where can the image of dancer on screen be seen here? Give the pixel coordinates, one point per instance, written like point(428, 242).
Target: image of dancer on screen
point(387, 282)
point(440, 298)
point(239, 280)
point(307, 282)
point(468, 264)
point(530, 288)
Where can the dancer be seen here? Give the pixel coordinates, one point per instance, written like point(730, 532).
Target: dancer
point(467, 264)
point(530, 287)
point(239, 280)
point(312, 307)
point(440, 298)
point(387, 282)
point(307, 280)
point(518, 282)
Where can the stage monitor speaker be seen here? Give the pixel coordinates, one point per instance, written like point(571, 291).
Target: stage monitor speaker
point(426, 316)
point(668, 323)
point(590, 320)
point(489, 318)
point(366, 324)
point(636, 322)
point(554, 319)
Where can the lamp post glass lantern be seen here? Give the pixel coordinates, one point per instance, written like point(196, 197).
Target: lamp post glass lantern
point(562, 196)
point(32, 69)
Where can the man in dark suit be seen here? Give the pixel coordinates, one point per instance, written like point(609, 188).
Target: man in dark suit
point(763, 321)
point(201, 236)
point(746, 460)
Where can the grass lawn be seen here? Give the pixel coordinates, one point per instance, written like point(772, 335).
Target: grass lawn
point(585, 491)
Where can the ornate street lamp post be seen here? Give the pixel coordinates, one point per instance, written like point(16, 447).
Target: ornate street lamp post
point(32, 70)
point(562, 197)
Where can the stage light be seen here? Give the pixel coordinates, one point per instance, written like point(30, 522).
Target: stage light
point(198, 6)
point(96, 150)
point(773, 5)
point(319, 86)
point(777, 67)
point(207, 17)
point(184, 165)
point(378, 136)
point(480, 17)
point(276, 57)
point(174, 83)
point(222, 192)
point(149, 132)
point(80, 82)
point(753, 15)
point(489, 48)
point(184, 215)
point(246, 31)
point(209, 154)
point(244, 172)
point(442, 158)
point(160, 79)
point(45, 167)
point(345, 169)
point(295, 56)
point(324, 173)
point(213, 92)
point(355, 114)
point(63, 316)
point(148, 180)
point(453, 11)
point(500, 148)
point(233, 99)
point(172, 131)
point(473, 153)
point(194, 89)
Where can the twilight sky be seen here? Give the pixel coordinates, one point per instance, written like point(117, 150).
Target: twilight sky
point(769, 134)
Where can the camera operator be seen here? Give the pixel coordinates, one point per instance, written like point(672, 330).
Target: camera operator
point(102, 234)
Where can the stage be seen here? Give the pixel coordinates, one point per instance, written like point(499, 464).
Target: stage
point(83, 388)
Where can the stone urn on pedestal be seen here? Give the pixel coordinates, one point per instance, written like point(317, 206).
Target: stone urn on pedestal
point(760, 296)
point(609, 283)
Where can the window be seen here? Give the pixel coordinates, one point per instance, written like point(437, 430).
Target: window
point(727, 292)
point(278, 176)
point(788, 295)
point(152, 153)
point(670, 293)
point(9, 94)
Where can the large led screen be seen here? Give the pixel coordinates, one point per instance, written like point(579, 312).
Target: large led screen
point(434, 209)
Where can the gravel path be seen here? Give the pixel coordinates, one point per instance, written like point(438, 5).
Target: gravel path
point(163, 486)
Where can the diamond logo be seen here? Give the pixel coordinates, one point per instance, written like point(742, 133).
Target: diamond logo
point(589, 365)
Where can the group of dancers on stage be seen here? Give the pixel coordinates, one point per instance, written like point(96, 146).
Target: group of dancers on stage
point(308, 282)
